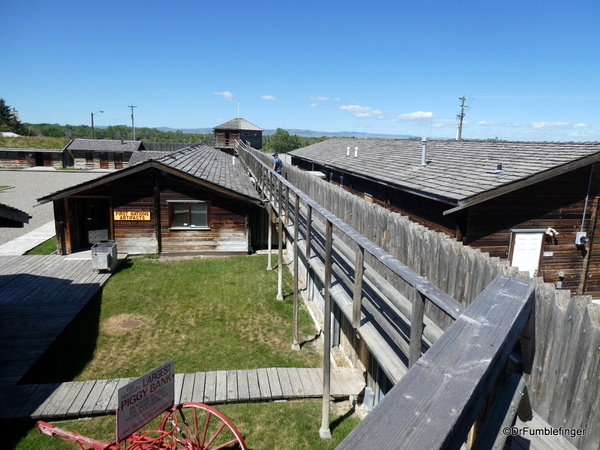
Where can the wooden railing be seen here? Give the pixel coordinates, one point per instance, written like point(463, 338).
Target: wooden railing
point(337, 255)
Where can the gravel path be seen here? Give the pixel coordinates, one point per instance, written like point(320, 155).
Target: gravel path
point(27, 187)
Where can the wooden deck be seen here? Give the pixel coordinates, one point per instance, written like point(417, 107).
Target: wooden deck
point(39, 297)
point(87, 398)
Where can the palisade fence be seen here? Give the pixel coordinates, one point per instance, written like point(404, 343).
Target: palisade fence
point(564, 385)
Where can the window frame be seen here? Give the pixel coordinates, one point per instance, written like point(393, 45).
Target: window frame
point(171, 203)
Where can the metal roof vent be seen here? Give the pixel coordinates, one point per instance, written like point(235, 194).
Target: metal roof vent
point(423, 152)
point(498, 169)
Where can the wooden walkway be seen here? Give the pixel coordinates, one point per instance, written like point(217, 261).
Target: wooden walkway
point(87, 398)
point(39, 297)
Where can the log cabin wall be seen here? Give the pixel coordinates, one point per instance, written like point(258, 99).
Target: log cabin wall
point(558, 204)
point(228, 225)
point(135, 200)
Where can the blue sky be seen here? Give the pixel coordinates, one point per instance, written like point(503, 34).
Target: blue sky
point(530, 70)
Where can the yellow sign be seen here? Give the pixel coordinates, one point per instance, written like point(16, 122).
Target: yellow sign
point(132, 215)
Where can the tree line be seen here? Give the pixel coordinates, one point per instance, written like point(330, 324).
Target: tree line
point(281, 141)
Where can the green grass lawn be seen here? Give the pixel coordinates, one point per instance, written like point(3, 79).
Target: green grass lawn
point(206, 314)
point(45, 248)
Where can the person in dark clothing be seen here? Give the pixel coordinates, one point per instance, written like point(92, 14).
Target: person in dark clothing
point(277, 163)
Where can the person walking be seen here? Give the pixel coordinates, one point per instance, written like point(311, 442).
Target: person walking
point(277, 163)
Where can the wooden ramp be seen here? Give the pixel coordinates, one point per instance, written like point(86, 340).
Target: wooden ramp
point(87, 398)
point(39, 297)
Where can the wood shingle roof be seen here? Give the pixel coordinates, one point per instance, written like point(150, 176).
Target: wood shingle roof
point(104, 145)
point(238, 124)
point(457, 172)
point(206, 164)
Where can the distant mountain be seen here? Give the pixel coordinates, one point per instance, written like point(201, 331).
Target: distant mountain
point(303, 133)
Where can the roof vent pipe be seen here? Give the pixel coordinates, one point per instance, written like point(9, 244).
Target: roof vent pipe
point(423, 152)
point(348, 151)
point(356, 152)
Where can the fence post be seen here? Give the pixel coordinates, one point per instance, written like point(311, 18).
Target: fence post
point(308, 231)
point(295, 344)
point(358, 281)
point(280, 254)
point(325, 432)
point(416, 326)
point(270, 236)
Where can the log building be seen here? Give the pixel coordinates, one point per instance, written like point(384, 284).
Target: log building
point(228, 133)
point(195, 200)
point(534, 204)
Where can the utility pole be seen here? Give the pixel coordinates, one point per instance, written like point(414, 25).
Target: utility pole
point(460, 117)
point(132, 125)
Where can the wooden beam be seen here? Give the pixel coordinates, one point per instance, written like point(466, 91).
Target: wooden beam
point(295, 342)
point(325, 432)
point(438, 400)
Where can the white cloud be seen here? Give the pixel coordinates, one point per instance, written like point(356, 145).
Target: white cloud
point(580, 125)
point(319, 99)
point(545, 125)
point(363, 112)
point(488, 123)
point(314, 105)
point(228, 95)
point(418, 115)
point(337, 99)
point(267, 97)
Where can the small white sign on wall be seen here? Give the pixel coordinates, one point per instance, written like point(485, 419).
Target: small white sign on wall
point(144, 399)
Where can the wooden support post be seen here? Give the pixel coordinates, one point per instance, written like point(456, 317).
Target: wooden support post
point(280, 248)
point(308, 232)
point(270, 237)
point(287, 205)
point(325, 432)
point(416, 326)
point(295, 342)
point(358, 282)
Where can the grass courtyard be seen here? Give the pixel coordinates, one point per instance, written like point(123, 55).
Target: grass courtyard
point(206, 314)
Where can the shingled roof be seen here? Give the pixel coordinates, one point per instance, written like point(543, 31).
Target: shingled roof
point(238, 124)
point(206, 164)
point(460, 173)
point(104, 145)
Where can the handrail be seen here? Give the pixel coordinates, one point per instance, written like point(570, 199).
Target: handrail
point(438, 297)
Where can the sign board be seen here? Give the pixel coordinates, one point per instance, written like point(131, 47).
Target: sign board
point(132, 215)
point(144, 399)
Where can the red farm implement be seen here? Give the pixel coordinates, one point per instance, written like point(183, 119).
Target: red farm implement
point(191, 426)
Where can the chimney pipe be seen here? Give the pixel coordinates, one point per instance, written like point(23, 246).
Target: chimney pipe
point(356, 152)
point(348, 151)
point(423, 152)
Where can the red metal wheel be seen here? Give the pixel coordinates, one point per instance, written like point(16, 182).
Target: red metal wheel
point(196, 426)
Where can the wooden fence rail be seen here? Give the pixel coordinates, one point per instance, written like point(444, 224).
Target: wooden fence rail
point(565, 388)
point(336, 254)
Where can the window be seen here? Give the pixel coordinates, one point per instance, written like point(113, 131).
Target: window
point(89, 157)
point(188, 214)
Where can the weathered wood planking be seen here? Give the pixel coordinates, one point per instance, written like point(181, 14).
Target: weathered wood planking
point(39, 297)
point(94, 397)
point(438, 400)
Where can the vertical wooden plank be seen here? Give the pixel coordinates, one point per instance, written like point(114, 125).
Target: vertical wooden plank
point(105, 396)
point(270, 237)
point(242, 383)
point(308, 230)
point(325, 432)
point(416, 326)
point(295, 341)
point(297, 386)
point(232, 386)
point(187, 388)
point(210, 387)
point(178, 387)
point(280, 251)
point(358, 282)
point(90, 403)
point(274, 383)
point(221, 392)
point(253, 388)
point(198, 394)
point(284, 381)
point(263, 383)
point(114, 399)
point(68, 398)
